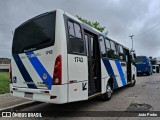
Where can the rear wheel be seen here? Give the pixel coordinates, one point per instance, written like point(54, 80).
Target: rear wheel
point(149, 73)
point(133, 82)
point(107, 96)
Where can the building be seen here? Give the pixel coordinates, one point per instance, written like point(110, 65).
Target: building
point(156, 64)
point(5, 61)
point(5, 64)
point(154, 61)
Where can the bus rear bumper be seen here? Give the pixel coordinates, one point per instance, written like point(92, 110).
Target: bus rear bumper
point(57, 95)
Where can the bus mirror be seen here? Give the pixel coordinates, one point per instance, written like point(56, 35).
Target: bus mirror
point(134, 55)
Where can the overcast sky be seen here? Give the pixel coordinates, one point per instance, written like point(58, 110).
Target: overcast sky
point(121, 18)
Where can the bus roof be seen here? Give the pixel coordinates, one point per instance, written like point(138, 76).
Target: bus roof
point(90, 28)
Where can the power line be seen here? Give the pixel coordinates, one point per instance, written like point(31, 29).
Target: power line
point(147, 30)
point(6, 25)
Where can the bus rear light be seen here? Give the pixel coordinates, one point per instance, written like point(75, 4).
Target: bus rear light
point(57, 76)
point(10, 71)
point(53, 97)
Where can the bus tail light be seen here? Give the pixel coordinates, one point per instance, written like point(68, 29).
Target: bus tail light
point(10, 71)
point(53, 97)
point(57, 76)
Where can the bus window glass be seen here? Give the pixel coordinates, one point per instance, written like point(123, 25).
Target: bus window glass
point(75, 38)
point(121, 49)
point(35, 34)
point(77, 30)
point(92, 43)
point(102, 45)
point(117, 47)
point(86, 39)
point(113, 47)
point(107, 44)
point(140, 59)
point(76, 45)
point(71, 28)
point(124, 55)
point(121, 53)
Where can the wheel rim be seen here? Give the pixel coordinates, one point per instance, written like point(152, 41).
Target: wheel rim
point(109, 91)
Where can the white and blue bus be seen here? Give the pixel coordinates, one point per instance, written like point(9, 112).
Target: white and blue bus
point(56, 58)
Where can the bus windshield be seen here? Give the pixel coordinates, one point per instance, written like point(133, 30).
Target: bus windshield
point(140, 60)
point(35, 34)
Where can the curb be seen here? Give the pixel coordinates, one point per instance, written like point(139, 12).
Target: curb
point(19, 106)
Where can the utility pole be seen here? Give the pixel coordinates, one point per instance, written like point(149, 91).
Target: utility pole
point(131, 36)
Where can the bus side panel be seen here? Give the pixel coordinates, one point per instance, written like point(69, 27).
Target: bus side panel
point(61, 91)
point(115, 67)
point(62, 44)
point(115, 71)
point(123, 73)
point(104, 77)
point(15, 71)
point(78, 78)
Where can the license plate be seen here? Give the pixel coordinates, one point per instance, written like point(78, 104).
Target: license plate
point(28, 95)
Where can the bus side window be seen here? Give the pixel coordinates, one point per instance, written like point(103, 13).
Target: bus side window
point(102, 46)
point(71, 28)
point(86, 41)
point(121, 53)
point(113, 50)
point(75, 38)
point(108, 48)
point(118, 49)
point(124, 54)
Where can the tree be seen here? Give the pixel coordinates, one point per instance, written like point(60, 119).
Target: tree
point(96, 25)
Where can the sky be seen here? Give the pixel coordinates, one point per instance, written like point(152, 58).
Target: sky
point(121, 18)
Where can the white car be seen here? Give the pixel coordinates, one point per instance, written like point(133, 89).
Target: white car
point(154, 68)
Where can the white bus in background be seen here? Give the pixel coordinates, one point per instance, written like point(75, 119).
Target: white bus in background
point(56, 58)
point(155, 67)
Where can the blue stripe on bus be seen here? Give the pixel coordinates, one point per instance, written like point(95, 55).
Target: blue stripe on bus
point(110, 71)
point(120, 72)
point(24, 72)
point(40, 69)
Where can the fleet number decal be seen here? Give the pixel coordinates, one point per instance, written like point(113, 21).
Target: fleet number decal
point(79, 59)
point(49, 52)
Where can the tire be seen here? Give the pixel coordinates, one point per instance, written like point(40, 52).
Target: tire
point(107, 96)
point(149, 73)
point(133, 82)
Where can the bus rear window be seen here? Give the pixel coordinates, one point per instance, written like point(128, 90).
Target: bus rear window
point(35, 34)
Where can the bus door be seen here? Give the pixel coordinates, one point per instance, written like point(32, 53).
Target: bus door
point(128, 62)
point(124, 65)
point(94, 80)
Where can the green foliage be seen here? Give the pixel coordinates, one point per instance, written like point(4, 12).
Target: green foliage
point(4, 82)
point(96, 25)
